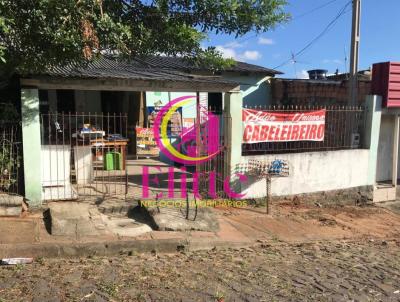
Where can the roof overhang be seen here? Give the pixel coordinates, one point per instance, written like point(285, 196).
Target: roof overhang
point(204, 84)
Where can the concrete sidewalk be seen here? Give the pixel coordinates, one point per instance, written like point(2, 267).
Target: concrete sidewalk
point(35, 242)
point(27, 237)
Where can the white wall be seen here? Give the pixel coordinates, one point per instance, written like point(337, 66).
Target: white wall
point(385, 150)
point(313, 172)
point(256, 89)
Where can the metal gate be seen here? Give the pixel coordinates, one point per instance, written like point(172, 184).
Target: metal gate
point(83, 155)
point(216, 170)
point(11, 158)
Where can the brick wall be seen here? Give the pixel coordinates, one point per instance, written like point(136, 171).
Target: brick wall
point(315, 92)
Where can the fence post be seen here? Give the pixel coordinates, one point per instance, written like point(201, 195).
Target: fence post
point(373, 111)
point(233, 103)
point(31, 146)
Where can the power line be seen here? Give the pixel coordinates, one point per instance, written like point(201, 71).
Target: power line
point(295, 18)
point(313, 10)
point(332, 23)
point(341, 12)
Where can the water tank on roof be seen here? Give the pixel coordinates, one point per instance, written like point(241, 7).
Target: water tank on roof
point(317, 74)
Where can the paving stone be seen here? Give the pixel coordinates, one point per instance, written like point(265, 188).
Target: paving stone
point(279, 274)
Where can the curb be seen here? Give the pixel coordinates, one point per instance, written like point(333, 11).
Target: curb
point(113, 248)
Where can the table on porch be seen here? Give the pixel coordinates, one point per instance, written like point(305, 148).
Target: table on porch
point(117, 144)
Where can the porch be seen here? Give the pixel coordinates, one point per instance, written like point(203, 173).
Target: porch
point(81, 125)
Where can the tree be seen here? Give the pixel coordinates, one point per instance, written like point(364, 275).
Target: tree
point(38, 34)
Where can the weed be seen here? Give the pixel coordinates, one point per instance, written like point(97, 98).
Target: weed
point(40, 260)
point(18, 267)
point(140, 297)
point(219, 296)
point(110, 289)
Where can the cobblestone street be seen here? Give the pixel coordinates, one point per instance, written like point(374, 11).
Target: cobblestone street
point(366, 270)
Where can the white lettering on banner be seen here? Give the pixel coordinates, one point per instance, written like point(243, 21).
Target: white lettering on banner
point(267, 126)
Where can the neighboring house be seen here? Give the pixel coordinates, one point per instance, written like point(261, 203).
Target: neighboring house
point(363, 75)
point(324, 91)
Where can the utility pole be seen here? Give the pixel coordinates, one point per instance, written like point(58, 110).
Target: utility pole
point(355, 44)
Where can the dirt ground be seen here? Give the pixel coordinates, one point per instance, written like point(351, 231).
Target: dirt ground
point(367, 270)
point(288, 222)
point(291, 222)
point(300, 253)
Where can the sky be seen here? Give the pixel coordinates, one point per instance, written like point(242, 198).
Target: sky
point(380, 38)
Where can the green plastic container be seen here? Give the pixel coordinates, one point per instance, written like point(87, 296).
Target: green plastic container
point(113, 161)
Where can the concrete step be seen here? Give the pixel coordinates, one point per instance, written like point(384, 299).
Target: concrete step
point(382, 193)
point(127, 227)
point(75, 219)
point(84, 219)
point(8, 200)
point(10, 205)
point(10, 211)
point(120, 208)
point(174, 219)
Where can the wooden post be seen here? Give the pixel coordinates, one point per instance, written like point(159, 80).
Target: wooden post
point(142, 110)
point(268, 195)
point(395, 150)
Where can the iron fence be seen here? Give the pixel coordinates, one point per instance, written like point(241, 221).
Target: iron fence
point(84, 155)
point(214, 171)
point(344, 126)
point(10, 158)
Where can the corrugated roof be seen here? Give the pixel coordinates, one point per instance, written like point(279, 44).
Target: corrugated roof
point(184, 65)
point(172, 68)
point(136, 70)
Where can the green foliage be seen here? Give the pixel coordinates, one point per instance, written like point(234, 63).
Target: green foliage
point(9, 160)
point(219, 296)
point(3, 29)
point(9, 163)
point(211, 58)
point(110, 289)
point(38, 34)
point(40, 260)
point(18, 267)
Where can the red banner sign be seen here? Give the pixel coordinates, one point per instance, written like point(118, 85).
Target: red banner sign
point(267, 126)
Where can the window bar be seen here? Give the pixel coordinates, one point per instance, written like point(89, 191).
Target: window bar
point(69, 143)
point(49, 150)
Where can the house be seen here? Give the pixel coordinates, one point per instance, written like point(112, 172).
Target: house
point(79, 122)
point(75, 113)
